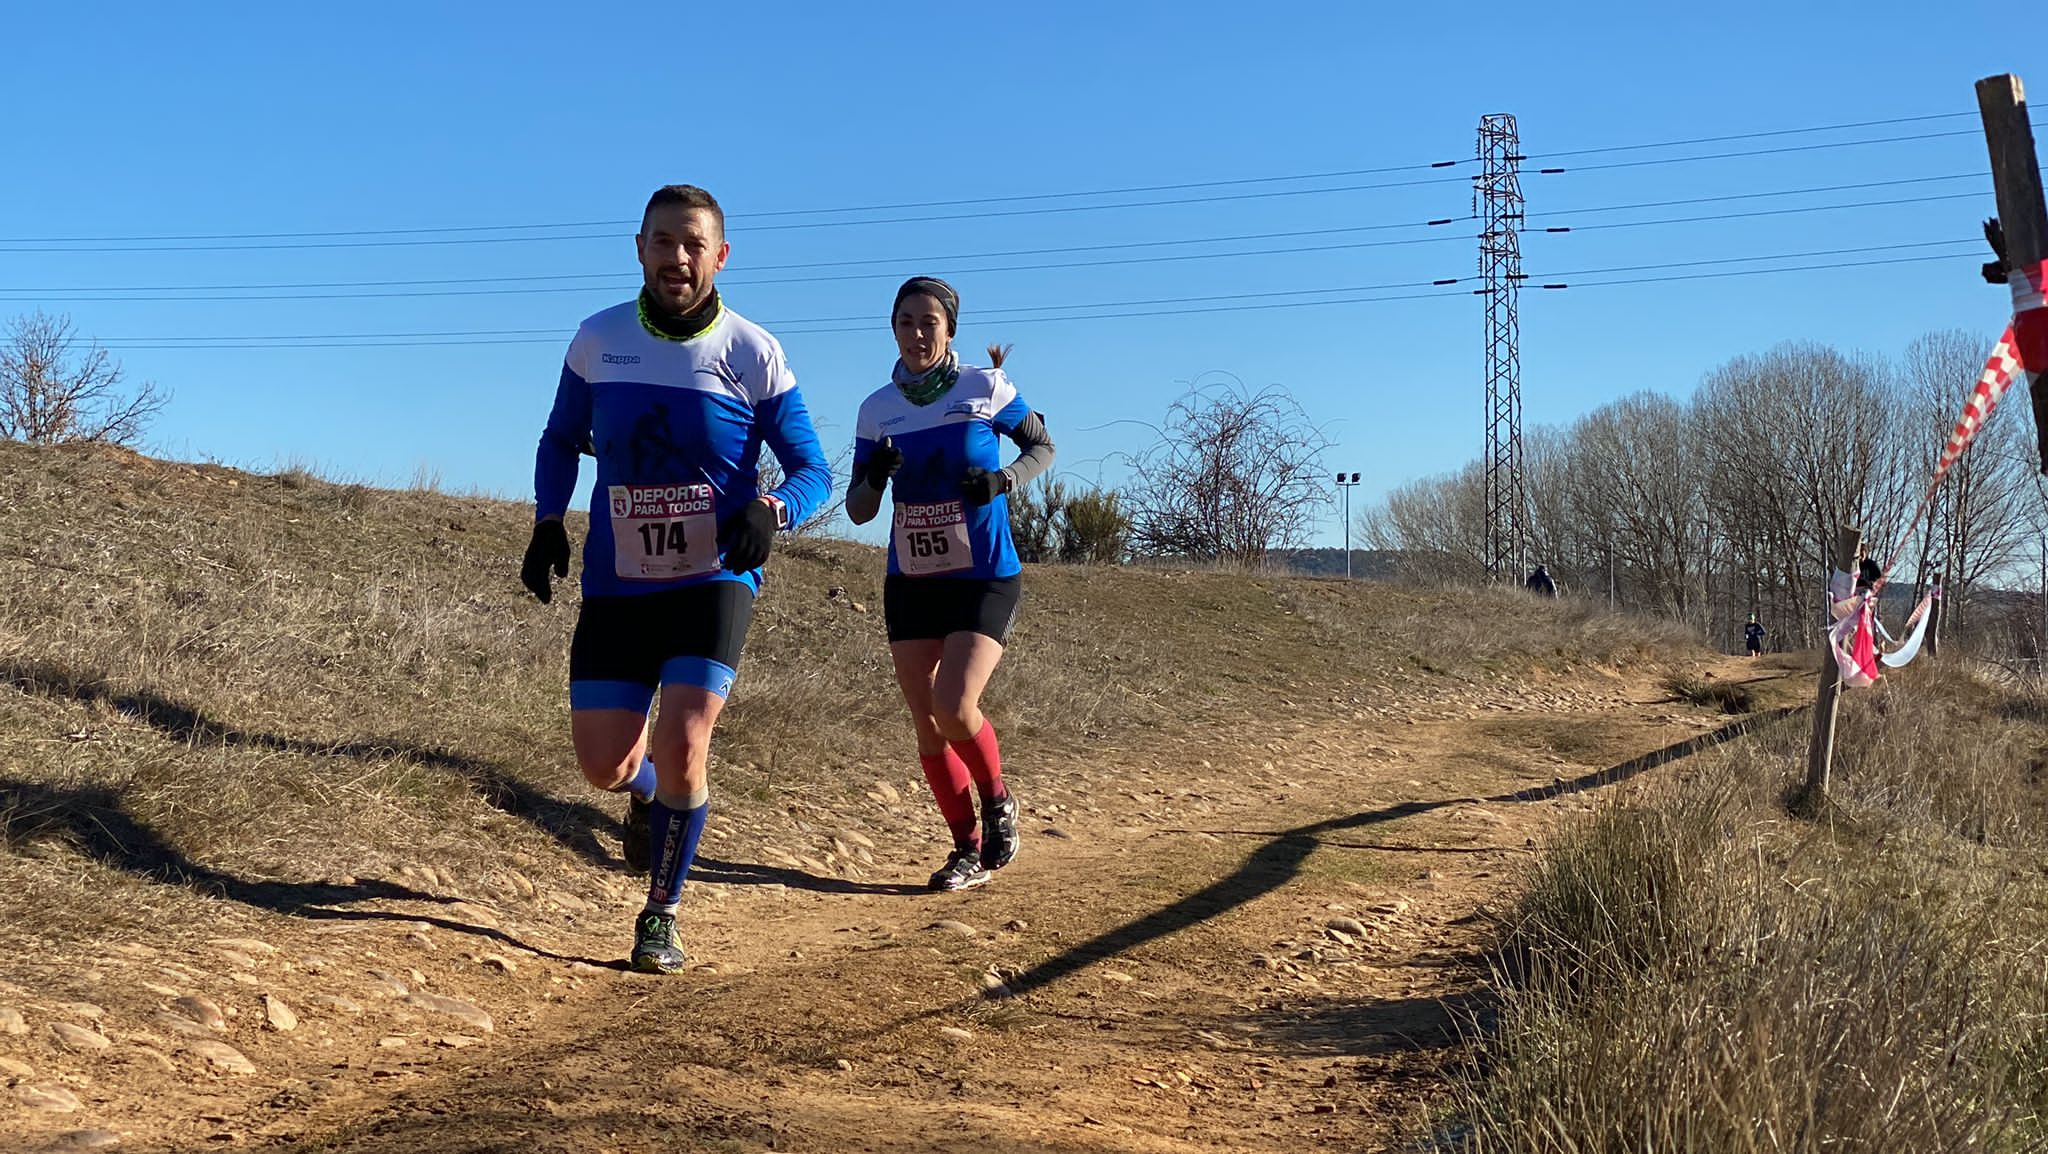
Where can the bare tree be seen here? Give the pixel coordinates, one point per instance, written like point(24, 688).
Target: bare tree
point(1233, 475)
point(1436, 524)
point(1633, 477)
point(1798, 442)
point(52, 391)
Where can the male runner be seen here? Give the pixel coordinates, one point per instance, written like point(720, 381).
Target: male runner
point(675, 394)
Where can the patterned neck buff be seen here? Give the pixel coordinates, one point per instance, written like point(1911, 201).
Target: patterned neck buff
point(930, 386)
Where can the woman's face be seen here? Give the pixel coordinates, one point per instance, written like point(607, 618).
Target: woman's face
point(922, 335)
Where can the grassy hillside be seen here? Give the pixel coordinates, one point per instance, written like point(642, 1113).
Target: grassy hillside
point(235, 695)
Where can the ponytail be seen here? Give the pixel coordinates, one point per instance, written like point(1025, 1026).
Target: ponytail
point(997, 354)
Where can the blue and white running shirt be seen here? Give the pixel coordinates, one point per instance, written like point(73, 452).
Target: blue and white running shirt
point(677, 426)
point(933, 533)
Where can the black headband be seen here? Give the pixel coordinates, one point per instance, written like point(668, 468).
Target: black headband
point(938, 290)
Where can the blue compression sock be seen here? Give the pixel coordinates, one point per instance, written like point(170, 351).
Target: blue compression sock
point(675, 830)
point(641, 784)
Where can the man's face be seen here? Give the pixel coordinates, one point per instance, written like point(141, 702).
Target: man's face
point(681, 251)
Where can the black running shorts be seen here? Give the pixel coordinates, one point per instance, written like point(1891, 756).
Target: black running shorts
point(626, 648)
point(934, 608)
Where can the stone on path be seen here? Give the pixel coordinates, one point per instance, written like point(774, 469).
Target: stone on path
point(244, 945)
point(203, 1011)
point(1351, 926)
point(279, 1015)
point(11, 1021)
point(221, 1056)
point(51, 1099)
point(181, 1025)
point(957, 1034)
point(79, 1039)
point(948, 925)
point(453, 1007)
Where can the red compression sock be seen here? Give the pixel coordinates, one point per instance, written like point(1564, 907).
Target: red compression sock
point(985, 761)
point(948, 777)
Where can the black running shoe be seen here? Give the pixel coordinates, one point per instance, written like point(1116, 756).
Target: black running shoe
point(998, 832)
point(634, 838)
point(963, 872)
point(656, 949)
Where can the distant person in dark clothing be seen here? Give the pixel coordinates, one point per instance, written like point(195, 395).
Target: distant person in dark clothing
point(1753, 637)
point(1868, 574)
point(1540, 583)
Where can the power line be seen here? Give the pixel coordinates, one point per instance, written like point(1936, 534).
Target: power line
point(747, 281)
point(617, 279)
point(109, 245)
point(868, 321)
point(1752, 135)
point(1829, 267)
point(1970, 241)
point(1757, 152)
point(615, 276)
point(786, 329)
point(1009, 314)
point(631, 222)
point(463, 234)
point(621, 281)
point(1764, 212)
point(1757, 195)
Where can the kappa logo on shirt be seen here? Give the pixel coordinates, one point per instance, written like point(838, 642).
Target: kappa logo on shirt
point(970, 408)
point(619, 359)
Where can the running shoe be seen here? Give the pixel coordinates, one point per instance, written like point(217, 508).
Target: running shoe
point(656, 949)
point(963, 871)
point(998, 832)
point(634, 838)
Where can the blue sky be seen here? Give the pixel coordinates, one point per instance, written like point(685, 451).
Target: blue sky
point(143, 121)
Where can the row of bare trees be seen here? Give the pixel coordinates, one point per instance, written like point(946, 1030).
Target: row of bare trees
point(1725, 504)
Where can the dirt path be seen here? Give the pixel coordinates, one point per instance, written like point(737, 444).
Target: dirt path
point(1265, 950)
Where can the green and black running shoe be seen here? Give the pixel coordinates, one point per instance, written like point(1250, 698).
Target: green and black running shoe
point(656, 949)
point(635, 838)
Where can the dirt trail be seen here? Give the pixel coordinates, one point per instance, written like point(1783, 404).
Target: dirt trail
point(1167, 967)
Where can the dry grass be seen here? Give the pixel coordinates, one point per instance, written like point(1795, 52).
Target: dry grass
point(1698, 972)
point(1701, 689)
point(283, 690)
point(1462, 631)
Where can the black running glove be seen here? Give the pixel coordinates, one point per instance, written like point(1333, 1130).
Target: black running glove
point(748, 535)
point(549, 549)
point(981, 486)
point(881, 465)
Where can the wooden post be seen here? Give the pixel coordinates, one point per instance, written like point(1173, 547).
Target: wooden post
point(2016, 172)
point(1820, 752)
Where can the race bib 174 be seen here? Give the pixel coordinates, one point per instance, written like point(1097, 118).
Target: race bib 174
point(663, 532)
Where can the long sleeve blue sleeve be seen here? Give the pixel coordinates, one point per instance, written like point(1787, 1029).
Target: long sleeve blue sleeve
point(561, 446)
point(786, 427)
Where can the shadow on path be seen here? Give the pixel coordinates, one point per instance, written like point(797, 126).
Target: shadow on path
point(1278, 861)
